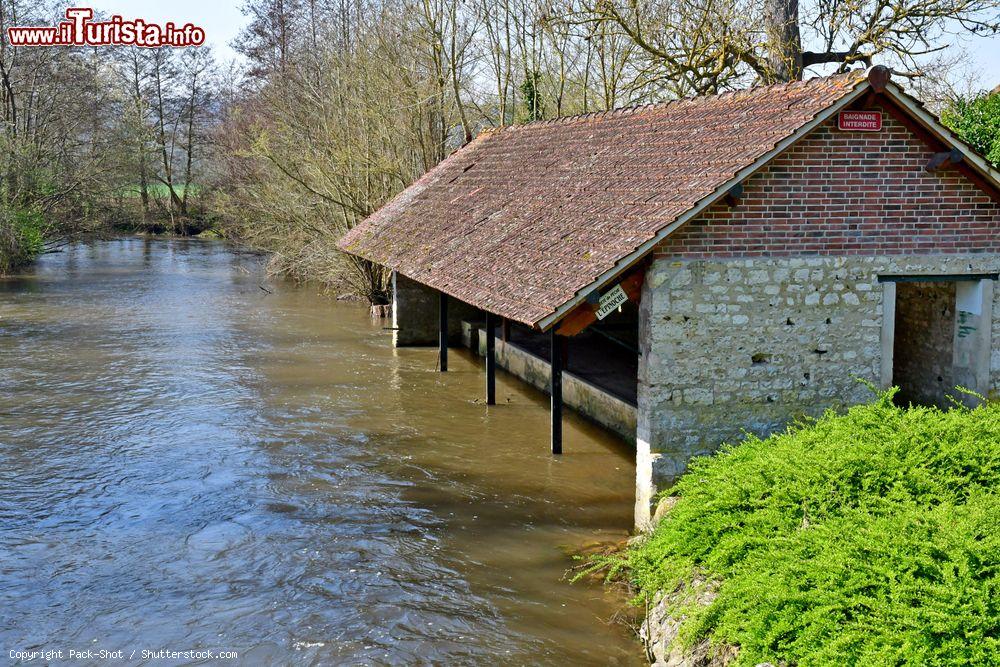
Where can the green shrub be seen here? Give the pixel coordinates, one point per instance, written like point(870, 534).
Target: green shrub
point(21, 237)
point(976, 121)
point(867, 538)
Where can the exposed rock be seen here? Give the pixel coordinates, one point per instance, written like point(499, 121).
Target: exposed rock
point(659, 633)
point(665, 505)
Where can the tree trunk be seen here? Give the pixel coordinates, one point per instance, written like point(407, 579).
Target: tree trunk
point(784, 44)
point(168, 174)
point(141, 142)
point(190, 143)
point(144, 190)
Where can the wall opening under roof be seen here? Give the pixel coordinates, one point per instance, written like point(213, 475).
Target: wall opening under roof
point(600, 379)
point(605, 354)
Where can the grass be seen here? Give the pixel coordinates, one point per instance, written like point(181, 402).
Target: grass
point(865, 538)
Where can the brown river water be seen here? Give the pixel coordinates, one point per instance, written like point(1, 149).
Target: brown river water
point(190, 462)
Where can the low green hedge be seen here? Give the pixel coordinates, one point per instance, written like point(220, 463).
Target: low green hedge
point(21, 237)
point(865, 538)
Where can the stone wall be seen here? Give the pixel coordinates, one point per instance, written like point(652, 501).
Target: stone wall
point(416, 314)
point(734, 345)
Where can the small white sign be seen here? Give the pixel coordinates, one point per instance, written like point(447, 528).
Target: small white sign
point(970, 297)
point(610, 301)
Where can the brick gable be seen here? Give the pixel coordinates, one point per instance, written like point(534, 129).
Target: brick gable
point(847, 193)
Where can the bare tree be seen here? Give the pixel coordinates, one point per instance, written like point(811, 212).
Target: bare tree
point(59, 156)
point(709, 44)
point(197, 72)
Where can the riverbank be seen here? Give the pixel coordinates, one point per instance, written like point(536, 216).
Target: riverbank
point(195, 462)
point(27, 233)
point(867, 537)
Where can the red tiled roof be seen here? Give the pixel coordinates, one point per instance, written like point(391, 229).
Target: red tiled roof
point(522, 218)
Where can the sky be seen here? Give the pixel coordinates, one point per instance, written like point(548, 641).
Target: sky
point(222, 22)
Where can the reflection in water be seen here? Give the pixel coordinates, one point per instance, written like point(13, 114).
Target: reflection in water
point(188, 461)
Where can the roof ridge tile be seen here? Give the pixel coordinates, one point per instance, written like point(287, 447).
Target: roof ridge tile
point(857, 75)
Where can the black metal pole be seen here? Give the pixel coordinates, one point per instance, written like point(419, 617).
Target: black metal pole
point(555, 387)
point(443, 333)
point(491, 360)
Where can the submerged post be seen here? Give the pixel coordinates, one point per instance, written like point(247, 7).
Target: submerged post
point(491, 361)
point(443, 333)
point(555, 350)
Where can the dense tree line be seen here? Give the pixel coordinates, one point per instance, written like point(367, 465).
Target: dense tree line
point(95, 136)
point(342, 103)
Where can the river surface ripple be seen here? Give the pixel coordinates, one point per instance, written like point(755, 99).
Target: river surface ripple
point(188, 461)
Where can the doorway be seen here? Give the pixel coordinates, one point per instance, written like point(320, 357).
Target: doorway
point(936, 337)
point(923, 349)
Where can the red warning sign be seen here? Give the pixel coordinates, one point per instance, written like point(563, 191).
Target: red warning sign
point(860, 121)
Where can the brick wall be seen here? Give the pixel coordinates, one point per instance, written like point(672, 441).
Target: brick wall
point(850, 193)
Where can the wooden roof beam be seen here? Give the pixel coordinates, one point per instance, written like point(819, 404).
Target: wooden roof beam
point(944, 160)
point(734, 195)
point(585, 314)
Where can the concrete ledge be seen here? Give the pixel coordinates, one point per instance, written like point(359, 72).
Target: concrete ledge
point(470, 334)
point(590, 401)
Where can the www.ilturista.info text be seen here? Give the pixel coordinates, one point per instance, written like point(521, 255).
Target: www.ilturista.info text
point(80, 30)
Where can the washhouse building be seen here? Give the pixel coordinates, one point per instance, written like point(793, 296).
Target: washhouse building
point(690, 271)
